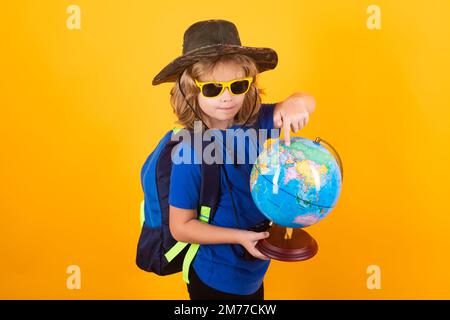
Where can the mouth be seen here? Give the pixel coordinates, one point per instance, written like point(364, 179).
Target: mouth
point(226, 108)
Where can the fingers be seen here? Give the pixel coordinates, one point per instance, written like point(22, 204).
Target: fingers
point(287, 132)
point(305, 120)
point(295, 126)
point(300, 123)
point(257, 254)
point(277, 120)
point(261, 235)
point(253, 240)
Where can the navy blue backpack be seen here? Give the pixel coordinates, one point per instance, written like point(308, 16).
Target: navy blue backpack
point(157, 250)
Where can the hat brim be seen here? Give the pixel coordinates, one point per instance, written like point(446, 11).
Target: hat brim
point(265, 58)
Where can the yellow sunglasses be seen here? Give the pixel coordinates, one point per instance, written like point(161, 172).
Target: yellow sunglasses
point(212, 89)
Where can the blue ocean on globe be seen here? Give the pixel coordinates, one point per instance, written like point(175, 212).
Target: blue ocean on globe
point(297, 185)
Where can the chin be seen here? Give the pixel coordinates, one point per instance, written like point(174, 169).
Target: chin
point(225, 117)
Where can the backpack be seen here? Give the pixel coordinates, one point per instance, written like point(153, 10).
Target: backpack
point(157, 250)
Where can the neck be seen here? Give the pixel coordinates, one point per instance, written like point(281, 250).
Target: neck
point(219, 124)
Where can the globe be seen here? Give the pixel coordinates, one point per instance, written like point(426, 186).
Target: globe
point(295, 186)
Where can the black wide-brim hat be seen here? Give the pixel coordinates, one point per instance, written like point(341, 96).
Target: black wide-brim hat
point(211, 38)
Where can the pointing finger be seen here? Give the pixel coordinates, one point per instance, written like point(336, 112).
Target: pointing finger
point(287, 132)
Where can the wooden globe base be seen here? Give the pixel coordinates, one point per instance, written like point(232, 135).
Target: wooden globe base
point(288, 244)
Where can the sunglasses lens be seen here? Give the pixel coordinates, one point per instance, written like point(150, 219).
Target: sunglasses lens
point(239, 87)
point(211, 89)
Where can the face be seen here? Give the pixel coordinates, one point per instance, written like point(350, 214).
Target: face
point(219, 111)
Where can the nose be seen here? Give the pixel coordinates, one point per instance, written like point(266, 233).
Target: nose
point(226, 95)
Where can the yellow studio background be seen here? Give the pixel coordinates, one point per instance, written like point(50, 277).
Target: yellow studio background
point(79, 116)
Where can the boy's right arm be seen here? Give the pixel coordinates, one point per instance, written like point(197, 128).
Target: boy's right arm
point(185, 227)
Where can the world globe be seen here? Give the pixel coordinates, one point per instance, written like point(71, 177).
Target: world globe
point(296, 186)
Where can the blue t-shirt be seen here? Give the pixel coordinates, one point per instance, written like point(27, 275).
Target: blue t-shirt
point(222, 266)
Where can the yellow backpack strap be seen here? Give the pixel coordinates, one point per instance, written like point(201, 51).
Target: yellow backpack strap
point(204, 214)
point(192, 251)
point(190, 254)
point(176, 129)
point(142, 215)
point(175, 250)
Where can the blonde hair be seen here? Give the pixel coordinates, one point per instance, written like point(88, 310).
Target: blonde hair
point(182, 110)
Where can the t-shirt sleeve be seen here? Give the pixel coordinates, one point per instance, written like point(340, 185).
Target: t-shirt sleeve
point(266, 119)
point(184, 191)
point(266, 115)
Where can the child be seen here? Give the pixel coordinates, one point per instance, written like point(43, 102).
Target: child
point(212, 51)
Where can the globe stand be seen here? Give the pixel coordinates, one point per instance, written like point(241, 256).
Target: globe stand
point(288, 244)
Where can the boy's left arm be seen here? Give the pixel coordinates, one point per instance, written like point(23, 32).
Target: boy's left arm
point(293, 113)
